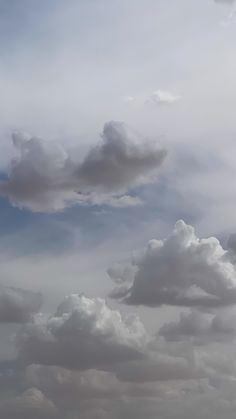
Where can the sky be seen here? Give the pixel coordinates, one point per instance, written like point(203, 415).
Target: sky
point(117, 209)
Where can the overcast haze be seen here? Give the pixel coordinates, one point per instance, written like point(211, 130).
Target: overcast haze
point(117, 209)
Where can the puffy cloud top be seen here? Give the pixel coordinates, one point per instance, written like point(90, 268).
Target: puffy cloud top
point(119, 161)
point(44, 177)
point(182, 270)
point(83, 334)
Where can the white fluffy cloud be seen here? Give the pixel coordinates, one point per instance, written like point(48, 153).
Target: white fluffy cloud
point(17, 305)
point(162, 97)
point(84, 333)
point(44, 177)
point(182, 270)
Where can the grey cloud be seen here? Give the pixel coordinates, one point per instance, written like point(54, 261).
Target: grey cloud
point(191, 324)
point(17, 305)
point(201, 328)
point(31, 404)
point(45, 178)
point(119, 162)
point(81, 390)
point(159, 368)
point(84, 333)
point(69, 389)
point(183, 270)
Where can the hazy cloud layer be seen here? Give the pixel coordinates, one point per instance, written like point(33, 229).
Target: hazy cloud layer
point(45, 178)
point(31, 404)
point(69, 389)
point(159, 367)
point(225, 1)
point(17, 305)
point(182, 270)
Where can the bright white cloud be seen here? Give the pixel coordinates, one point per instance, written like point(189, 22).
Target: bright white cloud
point(183, 270)
point(162, 97)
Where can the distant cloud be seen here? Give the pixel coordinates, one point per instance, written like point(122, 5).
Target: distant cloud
point(225, 1)
point(159, 367)
point(17, 305)
point(31, 404)
point(162, 97)
point(129, 99)
point(182, 270)
point(201, 328)
point(45, 178)
point(73, 387)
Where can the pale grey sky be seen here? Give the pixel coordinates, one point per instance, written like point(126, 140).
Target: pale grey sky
point(117, 119)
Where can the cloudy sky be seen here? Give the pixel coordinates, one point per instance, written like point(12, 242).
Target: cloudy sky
point(117, 209)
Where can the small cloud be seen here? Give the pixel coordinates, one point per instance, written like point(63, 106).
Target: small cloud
point(128, 99)
point(229, 19)
point(162, 97)
point(201, 328)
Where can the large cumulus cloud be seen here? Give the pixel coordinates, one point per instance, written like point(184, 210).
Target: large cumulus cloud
point(92, 362)
point(84, 333)
point(44, 177)
point(181, 270)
